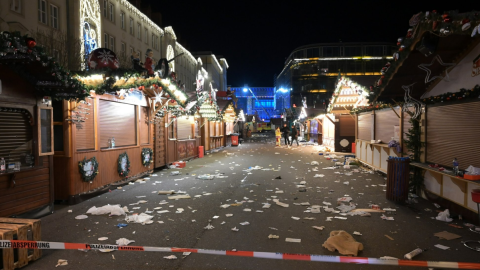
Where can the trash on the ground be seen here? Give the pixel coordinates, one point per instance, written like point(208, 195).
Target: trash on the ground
point(272, 228)
point(175, 172)
point(342, 218)
point(171, 257)
point(81, 217)
point(235, 229)
point(293, 240)
point(386, 218)
point(280, 203)
point(247, 210)
point(315, 209)
point(163, 211)
point(166, 192)
point(180, 210)
point(142, 218)
point(346, 208)
point(346, 183)
point(69, 211)
point(124, 242)
point(295, 218)
point(309, 218)
point(344, 199)
point(266, 205)
point(388, 258)
point(455, 226)
point(318, 175)
point(176, 197)
point(122, 225)
point(441, 247)
point(228, 215)
point(368, 210)
point(112, 210)
point(102, 238)
point(444, 216)
point(357, 233)
point(389, 237)
point(327, 203)
point(389, 209)
point(413, 253)
point(209, 227)
point(61, 262)
point(320, 228)
point(314, 163)
point(272, 236)
point(245, 223)
point(447, 235)
point(343, 242)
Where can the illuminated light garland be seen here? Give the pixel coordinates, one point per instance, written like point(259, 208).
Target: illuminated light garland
point(344, 81)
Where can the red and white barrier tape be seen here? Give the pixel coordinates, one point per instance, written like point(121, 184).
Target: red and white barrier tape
point(255, 254)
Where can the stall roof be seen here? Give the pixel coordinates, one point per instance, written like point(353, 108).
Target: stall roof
point(453, 39)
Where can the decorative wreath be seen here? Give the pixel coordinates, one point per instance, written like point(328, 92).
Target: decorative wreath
point(123, 166)
point(88, 168)
point(147, 154)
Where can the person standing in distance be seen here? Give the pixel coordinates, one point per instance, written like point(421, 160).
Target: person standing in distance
point(294, 135)
point(285, 131)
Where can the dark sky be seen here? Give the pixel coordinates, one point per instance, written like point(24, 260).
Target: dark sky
point(256, 36)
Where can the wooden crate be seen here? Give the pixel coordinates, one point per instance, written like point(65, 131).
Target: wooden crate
point(15, 228)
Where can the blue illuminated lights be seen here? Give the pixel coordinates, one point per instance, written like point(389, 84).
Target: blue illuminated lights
point(90, 39)
point(245, 89)
point(283, 90)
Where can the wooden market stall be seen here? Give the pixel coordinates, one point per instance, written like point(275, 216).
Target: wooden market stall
point(29, 133)
point(230, 120)
point(437, 78)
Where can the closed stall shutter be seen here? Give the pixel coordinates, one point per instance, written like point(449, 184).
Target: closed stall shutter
point(184, 128)
point(347, 125)
point(15, 136)
point(144, 126)
point(219, 130)
point(85, 132)
point(385, 120)
point(117, 120)
point(212, 128)
point(365, 122)
point(452, 132)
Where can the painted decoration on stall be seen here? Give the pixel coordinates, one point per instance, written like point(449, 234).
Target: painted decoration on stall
point(147, 156)
point(182, 150)
point(190, 149)
point(123, 166)
point(88, 169)
point(89, 40)
point(103, 58)
point(476, 66)
point(90, 22)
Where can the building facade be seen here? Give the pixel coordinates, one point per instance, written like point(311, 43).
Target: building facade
point(260, 100)
point(310, 72)
point(216, 69)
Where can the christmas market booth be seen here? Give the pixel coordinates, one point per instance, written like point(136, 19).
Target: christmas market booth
point(31, 125)
point(109, 137)
point(230, 119)
point(436, 73)
point(209, 121)
point(311, 128)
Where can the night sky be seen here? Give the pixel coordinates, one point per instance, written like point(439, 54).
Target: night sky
point(257, 36)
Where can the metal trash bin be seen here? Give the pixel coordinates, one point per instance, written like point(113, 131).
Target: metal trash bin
point(234, 137)
point(398, 176)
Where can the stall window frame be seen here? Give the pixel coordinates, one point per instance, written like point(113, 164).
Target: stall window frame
point(39, 132)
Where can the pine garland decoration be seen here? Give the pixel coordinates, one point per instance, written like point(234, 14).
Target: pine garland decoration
point(414, 145)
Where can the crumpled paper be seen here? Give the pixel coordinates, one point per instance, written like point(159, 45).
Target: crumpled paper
point(444, 216)
point(124, 241)
point(61, 262)
point(343, 242)
point(142, 218)
point(112, 210)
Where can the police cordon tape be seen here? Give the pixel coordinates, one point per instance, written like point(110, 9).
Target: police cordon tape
point(254, 254)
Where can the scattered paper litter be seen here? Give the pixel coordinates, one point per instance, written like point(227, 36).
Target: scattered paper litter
point(280, 203)
point(163, 211)
point(318, 175)
point(102, 238)
point(124, 241)
point(247, 210)
point(81, 217)
point(386, 218)
point(245, 223)
point(320, 228)
point(175, 173)
point(235, 229)
point(266, 205)
point(228, 215)
point(61, 262)
point(441, 247)
point(295, 218)
point(447, 235)
point(175, 197)
point(344, 199)
point(389, 237)
point(444, 216)
point(293, 240)
point(166, 192)
point(209, 227)
point(171, 257)
point(357, 233)
point(315, 209)
point(272, 236)
point(142, 218)
point(343, 218)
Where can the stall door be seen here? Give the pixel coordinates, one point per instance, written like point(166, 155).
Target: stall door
point(160, 143)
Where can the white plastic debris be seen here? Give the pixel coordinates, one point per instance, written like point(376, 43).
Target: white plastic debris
point(245, 223)
point(293, 240)
point(124, 241)
point(272, 236)
point(344, 199)
point(444, 216)
point(314, 163)
point(171, 257)
point(280, 203)
point(81, 217)
point(69, 211)
point(175, 172)
point(295, 218)
point(112, 210)
point(320, 228)
point(61, 262)
point(318, 175)
point(206, 176)
point(342, 218)
point(357, 233)
point(228, 215)
point(102, 238)
point(225, 206)
point(142, 218)
point(315, 209)
point(235, 229)
point(209, 227)
point(386, 218)
point(176, 197)
point(441, 247)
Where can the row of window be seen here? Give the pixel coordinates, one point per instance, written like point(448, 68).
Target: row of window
point(346, 51)
point(109, 13)
point(47, 13)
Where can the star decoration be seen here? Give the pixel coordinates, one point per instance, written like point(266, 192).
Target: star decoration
point(429, 72)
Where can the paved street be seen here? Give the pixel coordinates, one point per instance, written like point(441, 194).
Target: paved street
point(412, 226)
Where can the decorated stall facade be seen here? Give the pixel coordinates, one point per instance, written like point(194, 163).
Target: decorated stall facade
point(229, 120)
point(29, 134)
point(434, 74)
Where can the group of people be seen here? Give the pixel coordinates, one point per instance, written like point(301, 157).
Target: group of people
point(286, 132)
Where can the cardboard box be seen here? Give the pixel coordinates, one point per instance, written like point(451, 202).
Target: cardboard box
point(180, 164)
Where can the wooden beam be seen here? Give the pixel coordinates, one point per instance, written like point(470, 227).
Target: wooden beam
point(330, 119)
point(394, 111)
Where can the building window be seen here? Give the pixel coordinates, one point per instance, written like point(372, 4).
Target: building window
point(54, 16)
point(112, 44)
point(123, 51)
point(16, 6)
point(352, 51)
point(131, 50)
point(122, 20)
point(42, 11)
point(131, 26)
point(146, 36)
point(105, 40)
point(139, 31)
point(105, 5)
point(112, 12)
point(155, 42)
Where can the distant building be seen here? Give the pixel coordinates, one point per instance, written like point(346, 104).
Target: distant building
point(310, 72)
point(259, 100)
